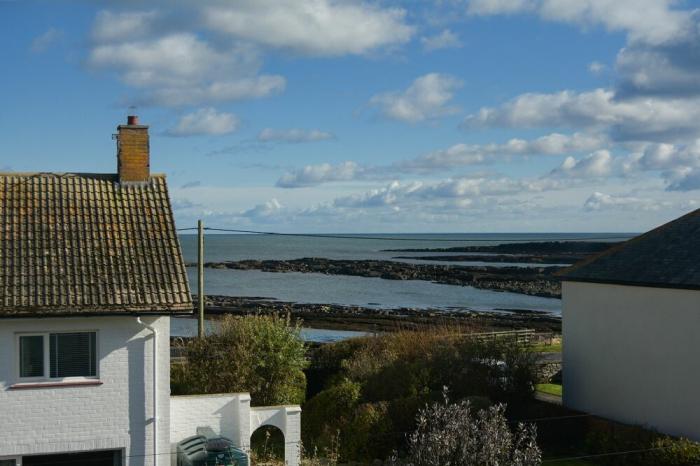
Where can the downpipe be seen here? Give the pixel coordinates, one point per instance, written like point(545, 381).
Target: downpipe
point(155, 388)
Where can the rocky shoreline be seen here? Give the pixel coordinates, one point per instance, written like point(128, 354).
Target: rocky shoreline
point(548, 252)
point(519, 259)
point(580, 248)
point(337, 317)
point(533, 281)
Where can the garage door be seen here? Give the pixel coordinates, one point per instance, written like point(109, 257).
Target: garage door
point(93, 458)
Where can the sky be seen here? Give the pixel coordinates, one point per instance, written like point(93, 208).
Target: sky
point(383, 116)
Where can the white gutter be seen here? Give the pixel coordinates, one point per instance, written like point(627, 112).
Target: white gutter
point(155, 388)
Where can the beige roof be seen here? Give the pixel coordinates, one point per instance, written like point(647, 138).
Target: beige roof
point(79, 243)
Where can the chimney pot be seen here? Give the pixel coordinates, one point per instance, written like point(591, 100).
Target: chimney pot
point(132, 120)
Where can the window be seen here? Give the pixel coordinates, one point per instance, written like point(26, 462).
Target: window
point(58, 355)
point(11, 462)
point(72, 354)
point(31, 356)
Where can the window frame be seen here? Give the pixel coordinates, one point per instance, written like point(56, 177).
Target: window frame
point(17, 459)
point(46, 377)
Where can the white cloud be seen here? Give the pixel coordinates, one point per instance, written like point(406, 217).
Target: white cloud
point(669, 69)
point(294, 135)
point(312, 175)
point(211, 52)
point(128, 25)
point(471, 154)
point(378, 197)
point(179, 68)
point(184, 204)
point(666, 157)
point(175, 59)
point(455, 194)
point(629, 119)
point(685, 179)
point(679, 165)
point(472, 187)
point(444, 40)
point(473, 203)
point(599, 164)
point(220, 91)
point(458, 155)
point(427, 98)
point(661, 56)
point(596, 68)
point(311, 27)
point(205, 121)
point(266, 210)
point(601, 201)
point(650, 21)
point(498, 7)
point(42, 42)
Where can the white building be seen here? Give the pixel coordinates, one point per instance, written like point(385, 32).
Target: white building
point(631, 321)
point(90, 272)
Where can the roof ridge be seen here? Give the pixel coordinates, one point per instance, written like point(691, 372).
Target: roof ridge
point(91, 174)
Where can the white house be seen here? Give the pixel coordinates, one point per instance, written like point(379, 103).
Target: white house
point(90, 273)
point(631, 326)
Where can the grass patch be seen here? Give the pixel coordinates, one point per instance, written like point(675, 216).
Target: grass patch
point(549, 388)
point(546, 348)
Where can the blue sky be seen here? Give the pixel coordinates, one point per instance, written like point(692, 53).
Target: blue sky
point(349, 116)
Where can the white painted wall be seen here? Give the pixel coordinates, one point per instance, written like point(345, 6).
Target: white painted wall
point(227, 414)
point(114, 415)
point(231, 416)
point(632, 354)
point(288, 420)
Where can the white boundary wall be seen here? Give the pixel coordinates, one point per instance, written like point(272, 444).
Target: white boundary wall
point(230, 415)
point(632, 354)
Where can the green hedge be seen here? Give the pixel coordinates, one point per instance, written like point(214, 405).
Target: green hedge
point(645, 448)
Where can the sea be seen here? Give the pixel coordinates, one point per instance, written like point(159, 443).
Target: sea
point(363, 291)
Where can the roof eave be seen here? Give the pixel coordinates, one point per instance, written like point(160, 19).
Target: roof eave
point(671, 286)
point(52, 312)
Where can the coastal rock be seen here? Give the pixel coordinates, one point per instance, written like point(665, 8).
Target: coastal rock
point(339, 317)
point(534, 281)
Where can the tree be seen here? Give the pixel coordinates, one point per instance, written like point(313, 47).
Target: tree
point(454, 434)
point(263, 355)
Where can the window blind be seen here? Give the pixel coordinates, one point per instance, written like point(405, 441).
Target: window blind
point(73, 354)
point(31, 356)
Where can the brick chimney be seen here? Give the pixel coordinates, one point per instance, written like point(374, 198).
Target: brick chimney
point(133, 154)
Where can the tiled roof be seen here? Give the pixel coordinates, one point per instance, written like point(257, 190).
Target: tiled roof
point(84, 244)
point(667, 257)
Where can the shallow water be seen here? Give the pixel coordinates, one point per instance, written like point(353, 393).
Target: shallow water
point(369, 292)
point(359, 291)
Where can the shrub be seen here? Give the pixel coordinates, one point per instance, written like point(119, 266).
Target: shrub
point(326, 414)
point(672, 451)
point(367, 433)
point(263, 355)
point(454, 434)
point(650, 448)
point(403, 371)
